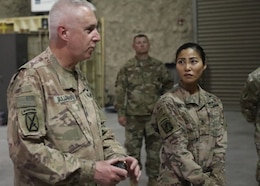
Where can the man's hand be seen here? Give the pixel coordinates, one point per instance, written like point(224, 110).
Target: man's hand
point(133, 168)
point(107, 174)
point(122, 121)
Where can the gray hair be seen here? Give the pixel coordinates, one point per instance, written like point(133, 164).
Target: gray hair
point(60, 11)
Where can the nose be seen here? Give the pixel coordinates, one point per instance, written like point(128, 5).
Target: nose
point(96, 36)
point(187, 66)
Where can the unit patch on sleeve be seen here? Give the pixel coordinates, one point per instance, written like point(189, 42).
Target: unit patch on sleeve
point(30, 116)
point(31, 120)
point(166, 125)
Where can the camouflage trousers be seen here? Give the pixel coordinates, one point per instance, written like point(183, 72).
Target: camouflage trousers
point(139, 128)
point(257, 144)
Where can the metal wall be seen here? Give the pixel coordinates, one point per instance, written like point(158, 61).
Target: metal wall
point(13, 52)
point(229, 31)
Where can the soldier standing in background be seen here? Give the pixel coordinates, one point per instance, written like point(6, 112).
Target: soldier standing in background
point(250, 107)
point(139, 84)
point(190, 122)
point(56, 130)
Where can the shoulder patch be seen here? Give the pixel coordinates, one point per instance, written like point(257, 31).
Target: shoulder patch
point(31, 120)
point(166, 120)
point(166, 125)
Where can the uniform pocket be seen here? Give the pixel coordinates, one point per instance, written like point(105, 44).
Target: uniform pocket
point(65, 132)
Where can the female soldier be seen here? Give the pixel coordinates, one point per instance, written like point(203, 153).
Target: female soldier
point(191, 124)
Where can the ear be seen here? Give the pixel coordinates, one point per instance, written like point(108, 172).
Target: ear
point(205, 66)
point(62, 32)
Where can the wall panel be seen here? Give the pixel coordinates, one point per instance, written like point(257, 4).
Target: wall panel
point(229, 31)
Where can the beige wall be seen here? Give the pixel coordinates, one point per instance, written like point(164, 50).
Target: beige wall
point(14, 8)
point(125, 18)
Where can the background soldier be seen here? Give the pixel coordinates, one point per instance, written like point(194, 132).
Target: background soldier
point(250, 107)
point(139, 84)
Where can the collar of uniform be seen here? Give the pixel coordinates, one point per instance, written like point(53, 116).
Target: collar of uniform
point(191, 98)
point(67, 78)
point(197, 98)
point(143, 62)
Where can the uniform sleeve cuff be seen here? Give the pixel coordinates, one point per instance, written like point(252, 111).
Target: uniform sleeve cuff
point(87, 172)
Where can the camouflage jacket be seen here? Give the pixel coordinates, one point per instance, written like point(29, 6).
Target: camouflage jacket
point(139, 84)
point(56, 130)
point(194, 136)
point(250, 97)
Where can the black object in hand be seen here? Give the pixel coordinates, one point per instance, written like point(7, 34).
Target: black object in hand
point(120, 164)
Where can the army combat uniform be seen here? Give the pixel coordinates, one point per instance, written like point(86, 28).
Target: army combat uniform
point(56, 130)
point(139, 84)
point(194, 136)
point(250, 107)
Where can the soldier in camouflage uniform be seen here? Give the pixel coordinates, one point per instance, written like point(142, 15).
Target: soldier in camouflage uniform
point(139, 84)
point(250, 107)
point(191, 124)
point(56, 131)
